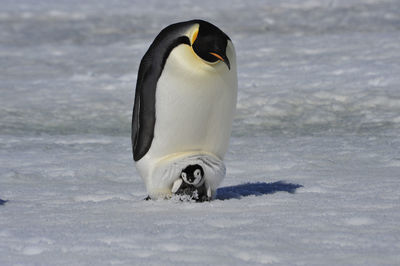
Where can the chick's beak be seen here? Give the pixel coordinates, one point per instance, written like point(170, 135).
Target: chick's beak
point(223, 58)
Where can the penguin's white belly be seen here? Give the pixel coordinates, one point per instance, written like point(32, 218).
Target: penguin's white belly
point(194, 113)
point(194, 107)
point(191, 116)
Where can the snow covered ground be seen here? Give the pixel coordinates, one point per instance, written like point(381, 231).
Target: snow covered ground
point(314, 164)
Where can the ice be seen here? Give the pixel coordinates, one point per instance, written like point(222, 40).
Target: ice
point(314, 161)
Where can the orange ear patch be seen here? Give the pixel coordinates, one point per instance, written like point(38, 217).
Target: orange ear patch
point(194, 36)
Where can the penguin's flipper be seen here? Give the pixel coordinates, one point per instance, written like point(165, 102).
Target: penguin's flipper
point(177, 184)
point(208, 191)
point(143, 117)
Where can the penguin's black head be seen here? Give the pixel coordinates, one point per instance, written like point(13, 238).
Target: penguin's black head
point(209, 43)
point(192, 174)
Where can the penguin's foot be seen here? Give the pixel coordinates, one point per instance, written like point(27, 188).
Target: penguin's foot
point(190, 194)
point(147, 198)
point(186, 195)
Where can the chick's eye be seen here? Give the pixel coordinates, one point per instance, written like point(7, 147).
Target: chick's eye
point(197, 173)
point(183, 175)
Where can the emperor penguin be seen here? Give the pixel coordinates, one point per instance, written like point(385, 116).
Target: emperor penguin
point(185, 101)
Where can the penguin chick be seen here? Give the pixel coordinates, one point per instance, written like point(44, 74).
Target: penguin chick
point(192, 183)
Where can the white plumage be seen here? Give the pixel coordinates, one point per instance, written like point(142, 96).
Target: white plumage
point(195, 105)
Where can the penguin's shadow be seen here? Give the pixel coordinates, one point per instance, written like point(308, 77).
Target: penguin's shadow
point(255, 189)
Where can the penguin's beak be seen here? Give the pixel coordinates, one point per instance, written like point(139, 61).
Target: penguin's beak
point(223, 58)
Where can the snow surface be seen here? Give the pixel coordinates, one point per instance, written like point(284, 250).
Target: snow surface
point(314, 162)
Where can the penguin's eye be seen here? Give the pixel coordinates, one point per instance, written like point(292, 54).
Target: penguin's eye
point(197, 173)
point(183, 175)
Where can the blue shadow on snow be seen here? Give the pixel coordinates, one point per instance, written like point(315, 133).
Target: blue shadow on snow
point(255, 189)
point(2, 202)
